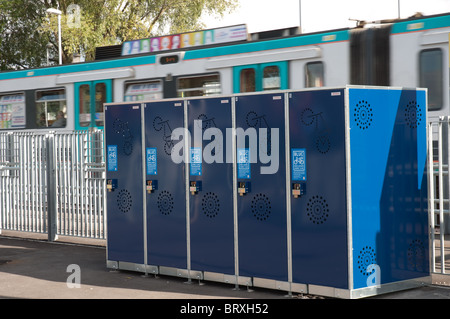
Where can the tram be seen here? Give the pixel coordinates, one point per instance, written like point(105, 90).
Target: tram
point(411, 52)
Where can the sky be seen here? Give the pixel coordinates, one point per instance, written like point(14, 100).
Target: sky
point(319, 15)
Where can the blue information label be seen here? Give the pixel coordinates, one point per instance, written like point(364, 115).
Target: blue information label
point(152, 162)
point(298, 164)
point(196, 161)
point(112, 158)
point(243, 163)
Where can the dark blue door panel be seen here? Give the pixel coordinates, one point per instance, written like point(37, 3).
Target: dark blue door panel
point(211, 208)
point(166, 202)
point(262, 220)
point(319, 215)
point(124, 174)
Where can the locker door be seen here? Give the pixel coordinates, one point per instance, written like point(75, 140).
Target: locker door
point(317, 173)
point(166, 190)
point(211, 205)
point(261, 203)
point(124, 182)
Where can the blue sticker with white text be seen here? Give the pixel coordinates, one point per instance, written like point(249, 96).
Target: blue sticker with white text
point(298, 164)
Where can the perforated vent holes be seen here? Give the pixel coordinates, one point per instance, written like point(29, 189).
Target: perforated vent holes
point(323, 144)
point(122, 128)
point(413, 114)
point(165, 202)
point(318, 123)
point(124, 201)
point(307, 117)
point(317, 210)
point(261, 207)
point(363, 114)
point(160, 125)
point(210, 205)
point(416, 256)
point(366, 257)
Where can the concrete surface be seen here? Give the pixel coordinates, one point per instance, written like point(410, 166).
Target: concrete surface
point(37, 269)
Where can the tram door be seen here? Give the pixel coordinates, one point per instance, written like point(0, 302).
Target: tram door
point(260, 77)
point(89, 99)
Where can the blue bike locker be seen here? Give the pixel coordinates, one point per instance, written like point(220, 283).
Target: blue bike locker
point(165, 186)
point(358, 201)
point(318, 187)
point(124, 199)
point(321, 191)
point(261, 178)
point(211, 187)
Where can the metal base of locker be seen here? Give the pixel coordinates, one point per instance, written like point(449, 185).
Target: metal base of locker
point(227, 279)
point(368, 291)
point(182, 273)
point(271, 284)
point(299, 288)
point(121, 265)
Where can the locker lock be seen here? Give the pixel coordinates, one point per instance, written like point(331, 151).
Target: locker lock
point(151, 186)
point(111, 185)
point(244, 188)
point(195, 187)
point(298, 189)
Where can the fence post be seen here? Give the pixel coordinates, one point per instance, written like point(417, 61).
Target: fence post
point(51, 188)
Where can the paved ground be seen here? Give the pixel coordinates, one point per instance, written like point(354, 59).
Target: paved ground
point(38, 270)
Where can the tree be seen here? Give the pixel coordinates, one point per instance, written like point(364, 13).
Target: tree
point(87, 24)
point(22, 43)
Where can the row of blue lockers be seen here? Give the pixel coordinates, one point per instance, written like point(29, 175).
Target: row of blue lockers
point(322, 188)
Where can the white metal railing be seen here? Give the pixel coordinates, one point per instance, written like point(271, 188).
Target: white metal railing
point(53, 183)
point(438, 193)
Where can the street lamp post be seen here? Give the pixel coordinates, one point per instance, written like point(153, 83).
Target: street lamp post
point(58, 13)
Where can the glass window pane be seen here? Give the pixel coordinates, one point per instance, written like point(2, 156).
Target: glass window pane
point(271, 78)
point(314, 75)
point(248, 80)
point(100, 98)
point(12, 111)
point(431, 76)
point(143, 91)
point(85, 105)
point(199, 86)
point(51, 108)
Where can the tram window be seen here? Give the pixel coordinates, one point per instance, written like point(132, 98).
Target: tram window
point(143, 91)
point(199, 86)
point(431, 76)
point(100, 99)
point(51, 108)
point(314, 75)
point(248, 80)
point(271, 79)
point(12, 111)
point(85, 105)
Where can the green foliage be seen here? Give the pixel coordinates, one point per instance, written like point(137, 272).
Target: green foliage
point(22, 44)
point(86, 24)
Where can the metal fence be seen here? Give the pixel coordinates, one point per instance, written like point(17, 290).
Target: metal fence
point(438, 193)
point(53, 183)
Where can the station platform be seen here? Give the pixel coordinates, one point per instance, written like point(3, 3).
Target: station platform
point(33, 268)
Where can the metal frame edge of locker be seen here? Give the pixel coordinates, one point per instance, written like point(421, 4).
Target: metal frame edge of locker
point(408, 242)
